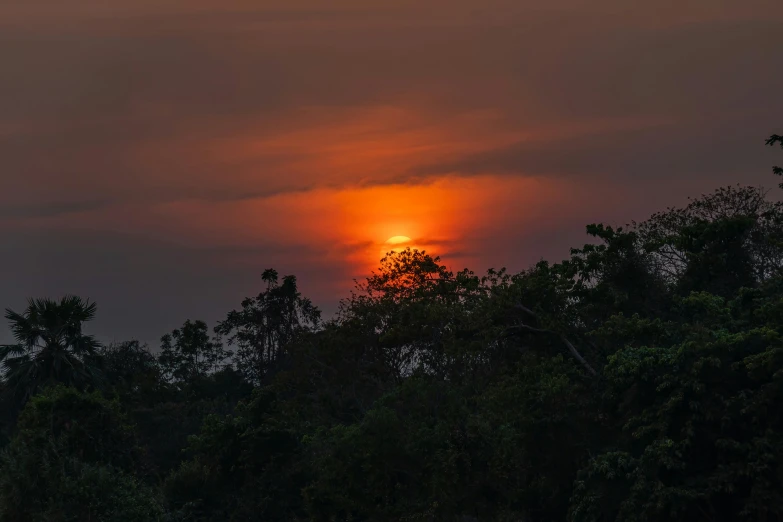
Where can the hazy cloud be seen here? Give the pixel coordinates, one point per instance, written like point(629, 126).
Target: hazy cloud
point(661, 152)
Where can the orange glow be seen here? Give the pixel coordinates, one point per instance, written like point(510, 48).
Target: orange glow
point(352, 226)
point(341, 188)
point(398, 240)
point(397, 244)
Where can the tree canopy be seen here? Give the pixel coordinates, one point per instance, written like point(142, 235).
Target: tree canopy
point(637, 380)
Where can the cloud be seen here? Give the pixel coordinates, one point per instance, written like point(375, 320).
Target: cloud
point(661, 152)
point(161, 106)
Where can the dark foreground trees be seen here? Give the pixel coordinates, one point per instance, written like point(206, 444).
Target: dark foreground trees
point(639, 380)
point(74, 457)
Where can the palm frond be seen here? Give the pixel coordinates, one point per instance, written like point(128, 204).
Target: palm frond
point(24, 328)
point(11, 350)
point(50, 345)
point(78, 310)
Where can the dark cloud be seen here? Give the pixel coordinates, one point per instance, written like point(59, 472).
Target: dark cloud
point(128, 108)
point(718, 150)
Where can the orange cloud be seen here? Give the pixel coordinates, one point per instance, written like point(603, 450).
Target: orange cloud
point(446, 216)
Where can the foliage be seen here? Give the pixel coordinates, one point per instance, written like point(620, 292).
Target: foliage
point(188, 353)
point(73, 458)
point(133, 373)
point(164, 425)
point(700, 433)
point(778, 171)
point(266, 324)
point(51, 347)
point(244, 467)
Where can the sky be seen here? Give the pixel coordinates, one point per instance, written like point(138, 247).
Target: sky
point(157, 156)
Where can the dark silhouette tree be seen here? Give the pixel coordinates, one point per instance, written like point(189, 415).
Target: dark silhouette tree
point(132, 371)
point(189, 352)
point(266, 323)
point(51, 346)
point(771, 141)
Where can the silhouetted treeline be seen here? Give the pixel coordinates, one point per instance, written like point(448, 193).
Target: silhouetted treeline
point(639, 380)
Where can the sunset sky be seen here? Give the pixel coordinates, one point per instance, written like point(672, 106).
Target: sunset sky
point(157, 156)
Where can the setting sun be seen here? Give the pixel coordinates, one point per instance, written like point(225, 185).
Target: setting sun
point(397, 240)
point(396, 244)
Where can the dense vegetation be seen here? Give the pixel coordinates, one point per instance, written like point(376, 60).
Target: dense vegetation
point(639, 380)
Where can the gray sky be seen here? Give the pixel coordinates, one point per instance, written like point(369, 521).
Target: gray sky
point(157, 156)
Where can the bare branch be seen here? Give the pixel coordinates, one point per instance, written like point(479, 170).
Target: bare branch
point(577, 356)
point(526, 310)
point(563, 339)
point(530, 329)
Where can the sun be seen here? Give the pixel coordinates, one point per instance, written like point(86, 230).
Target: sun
point(396, 244)
point(398, 240)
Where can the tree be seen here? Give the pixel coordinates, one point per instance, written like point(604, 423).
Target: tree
point(74, 458)
point(189, 352)
point(458, 326)
point(266, 324)
point(418, 316)
point(132, 372)
point(195, 381)
point(771, 141)
point(693, 403)
point(51, 346)
point(247, 466)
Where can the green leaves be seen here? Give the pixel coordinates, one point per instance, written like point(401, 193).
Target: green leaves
point(243, 467)
point(74, 458)
point(690, 411)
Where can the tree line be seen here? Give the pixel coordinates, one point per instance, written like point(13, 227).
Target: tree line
point(638, 380)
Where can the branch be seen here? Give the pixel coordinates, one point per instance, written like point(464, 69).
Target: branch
point(526, 310)
point(562, 338)
point(530, 329)
point(576, 355)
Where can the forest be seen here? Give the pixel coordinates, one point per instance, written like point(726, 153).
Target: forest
point(640, 379)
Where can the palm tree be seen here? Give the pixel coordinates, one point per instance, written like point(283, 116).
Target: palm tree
point(51, 347)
